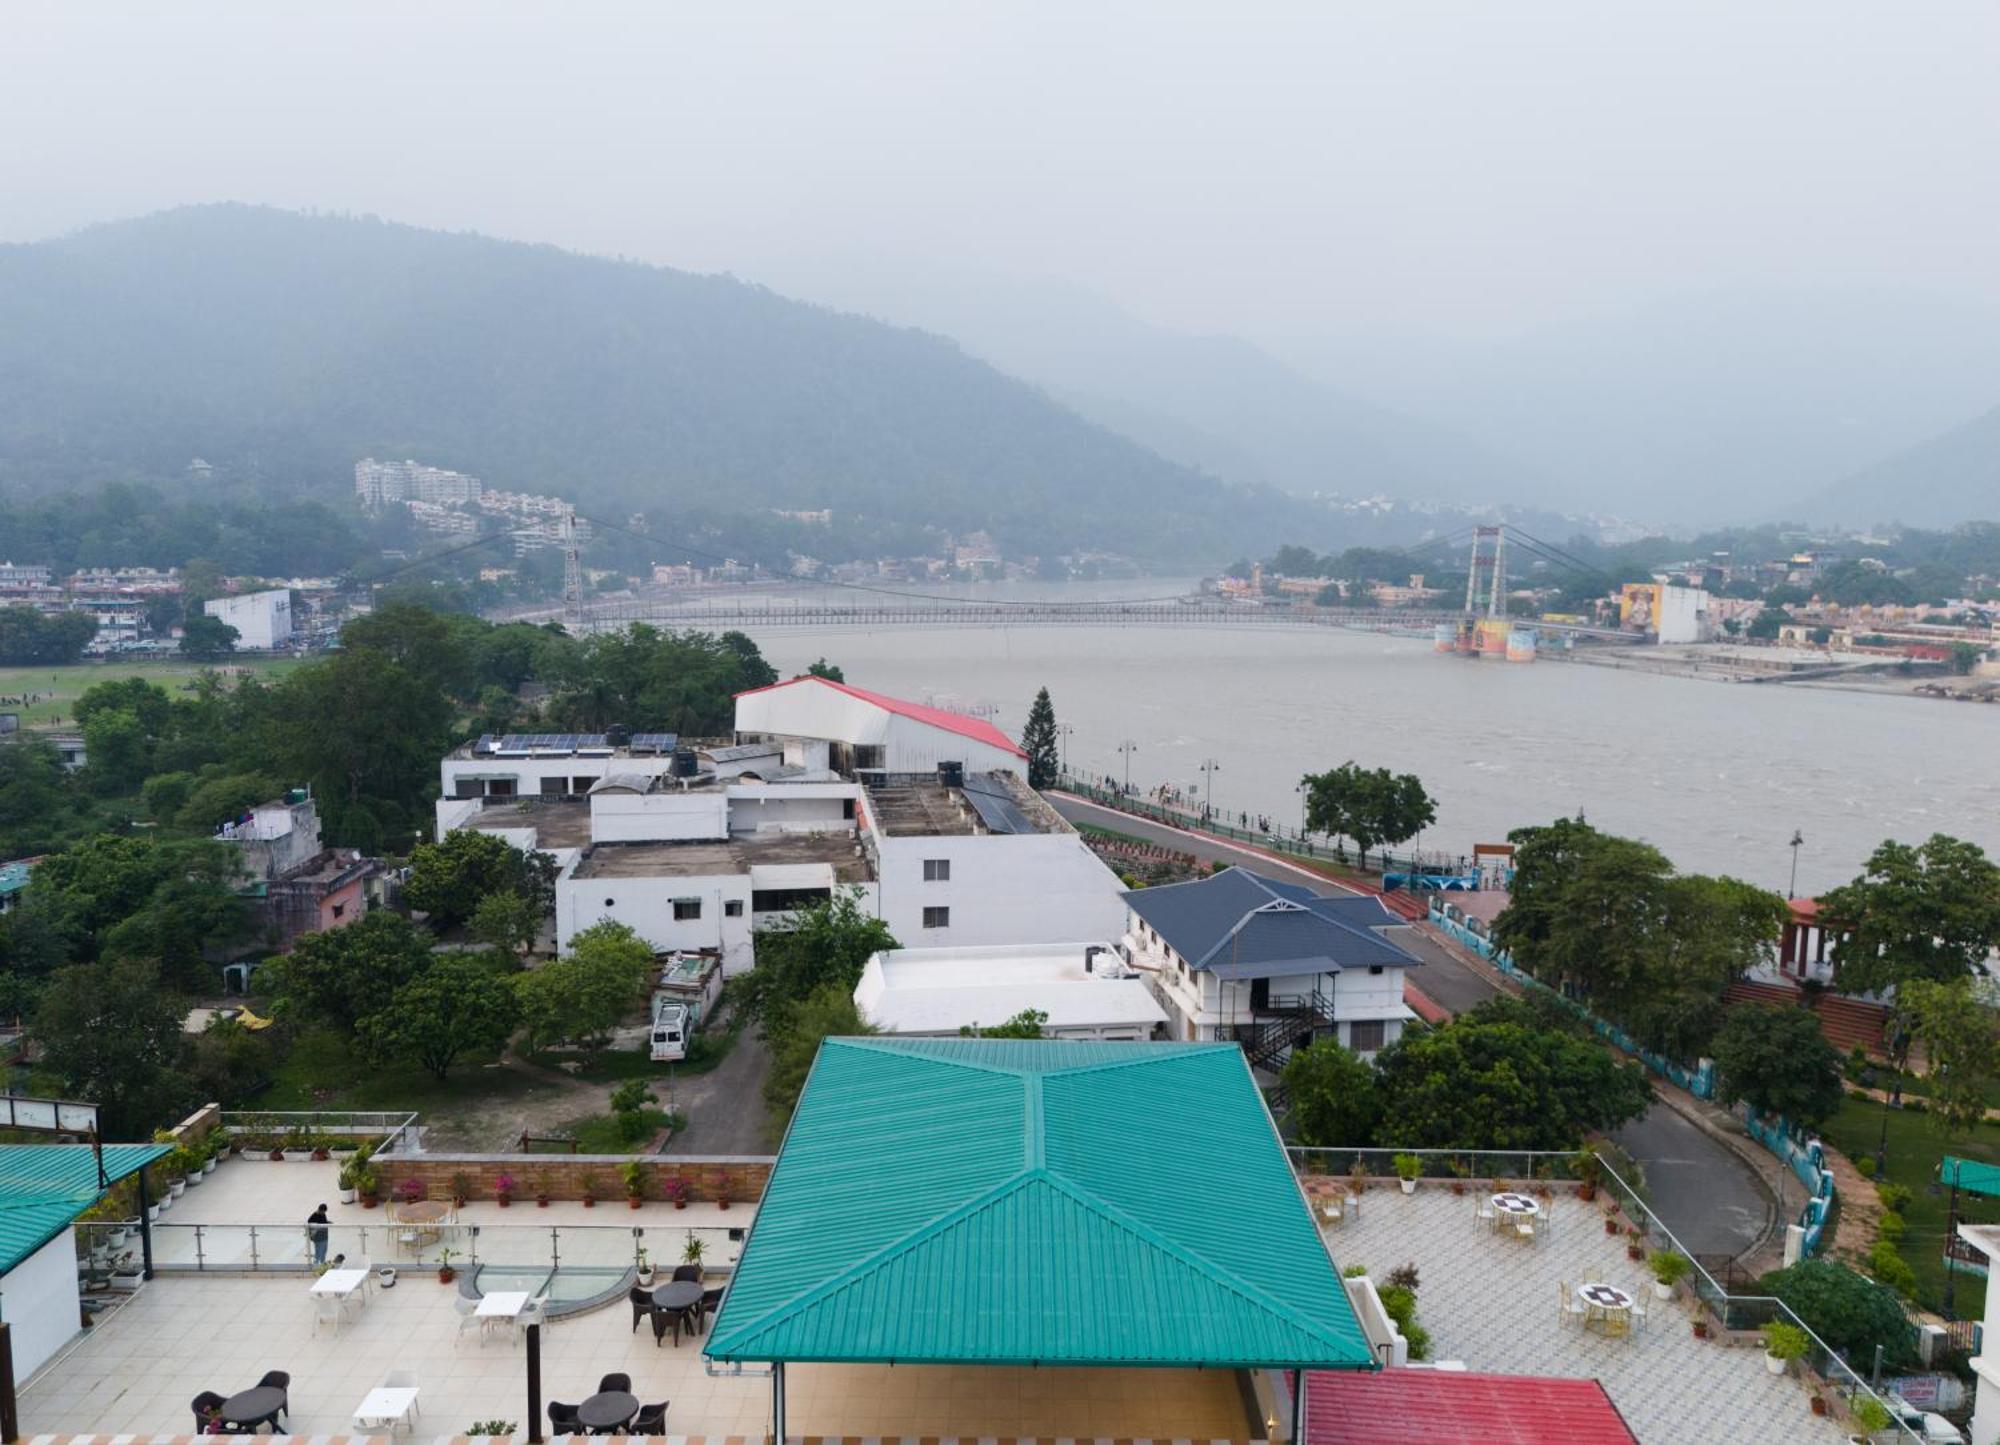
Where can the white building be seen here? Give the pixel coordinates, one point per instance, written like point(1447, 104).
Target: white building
point(1683, 614)
point(1273, 965)
point(824, 724)
point(263, 620)
point(376, 483)
point(556, 765)
point(1085, 990)
point(982, 861)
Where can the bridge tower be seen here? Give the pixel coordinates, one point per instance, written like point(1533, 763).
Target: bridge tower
point(572, 576)
point(1486, 577)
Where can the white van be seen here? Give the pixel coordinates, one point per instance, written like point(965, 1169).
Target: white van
point(670, 1032)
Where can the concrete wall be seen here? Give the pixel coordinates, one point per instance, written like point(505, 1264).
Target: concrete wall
point(1004, 888)
point(262, 619)
point(792, 807)
point(659, 817)
point(646, 906)
point(38, 1299)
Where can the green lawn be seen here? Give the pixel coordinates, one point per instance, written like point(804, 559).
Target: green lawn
point(600, 1134)
point(60, 687)
point(1916, 1144)
point(322, 1071)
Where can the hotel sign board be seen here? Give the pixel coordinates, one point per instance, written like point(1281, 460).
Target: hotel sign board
point(49, 1116)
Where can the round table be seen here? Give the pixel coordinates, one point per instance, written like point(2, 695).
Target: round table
point(253, 1406)
point(682, 1294)
point(608, 1410)
point(424, 1211)
point(1519, 1205)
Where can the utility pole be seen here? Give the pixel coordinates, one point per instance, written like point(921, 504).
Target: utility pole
point(1128, 747)
point(1209, 768)
point(1798, 839)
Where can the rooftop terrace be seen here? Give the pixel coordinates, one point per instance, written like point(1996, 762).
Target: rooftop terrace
point(698, 859)
point(558, 822)
point(920, 806)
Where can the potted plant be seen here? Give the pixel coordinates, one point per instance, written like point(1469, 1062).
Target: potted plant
point(1458, 1187)
point(1871, 1415)
point(692, 1249)
point(446, 1274)
point(677, 1191)
point(369, 1183)
point(350, 1179)
point(722, 1197)
point(1700, 1328)
point(542, 1189)
point(410, 1191)
point(503, 1189)
point(634, 1175)
point(1357, 1177)
point(644, 1266)
point(1669, 1267)
point(1408, 1167)
point(211, 1152)
point(1784, 1343)
point(587, 1184)
point(1588, 1168)
point(461, 1190)
point(298, 1142)
point(1818, 1403)
point(322, 1147)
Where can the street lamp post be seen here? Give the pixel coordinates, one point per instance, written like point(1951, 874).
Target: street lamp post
point(1798, 841)
point(1127, 748)
point(1064, 732)
point(1209, 768)
point(1300, 789)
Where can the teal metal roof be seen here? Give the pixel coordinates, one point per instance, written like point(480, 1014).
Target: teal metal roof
point(1018, 1202)
point(1969, 1174)
point(44, 1187)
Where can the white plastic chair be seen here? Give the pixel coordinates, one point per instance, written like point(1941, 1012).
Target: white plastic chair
point(468, 1314)
point(1636, 1310)
point(1484, 1214)
point(1572, 1307)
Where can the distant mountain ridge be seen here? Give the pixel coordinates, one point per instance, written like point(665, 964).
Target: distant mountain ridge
point(283, 347)
point(1951, 477)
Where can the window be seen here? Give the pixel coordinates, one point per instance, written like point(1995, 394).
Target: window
point(609, 902)
point(686, 909)
point(937, 918)
point(340, 910)
point(1364, 1036)
point(1375, 968)
point(937, 870)
point(732, 908)
point(847, 809)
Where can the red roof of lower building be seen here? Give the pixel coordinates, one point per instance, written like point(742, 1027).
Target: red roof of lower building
point(1443, 1407)
point(957, 722)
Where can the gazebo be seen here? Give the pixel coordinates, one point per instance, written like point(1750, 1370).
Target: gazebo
point(1041, 1204)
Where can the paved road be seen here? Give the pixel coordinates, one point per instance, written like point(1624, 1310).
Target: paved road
point(1707, 1196)
point(725, 1107)
point(1711, 1200)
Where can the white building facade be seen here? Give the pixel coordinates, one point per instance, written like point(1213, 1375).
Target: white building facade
point(263, 620)
point(824, 724)
point(1082, 990)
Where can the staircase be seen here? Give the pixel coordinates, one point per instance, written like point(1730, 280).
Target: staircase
point(1284, 1025)
point(1845, 1021)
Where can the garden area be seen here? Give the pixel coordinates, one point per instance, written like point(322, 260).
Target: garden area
point(1915, 1145)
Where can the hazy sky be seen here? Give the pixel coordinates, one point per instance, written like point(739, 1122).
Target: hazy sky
point(1462, 168)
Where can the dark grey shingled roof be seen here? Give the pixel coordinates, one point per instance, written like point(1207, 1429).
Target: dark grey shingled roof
point(1240, 924)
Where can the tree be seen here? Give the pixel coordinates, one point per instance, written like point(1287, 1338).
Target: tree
point(1039, 742)
point(455, 1007)
point(206, 639)
point(505, 921)
point(1712, 930)
point(1778, 1062)
point(589, 992)
point(825, 669)
point(828, 1012)
point(1957, 1033)
point(164, 899)
point(1929, 911)
point(1296, 561)
point(344, 975)
point(828, 944)
point(1496, 1078)
point(1585, 911)
point(1851, 1313)
point(111, 1033)
point(628, 1105)
point(448, 879)
point(1332, 1090)
point(1027, 1024)
point(1369, 805)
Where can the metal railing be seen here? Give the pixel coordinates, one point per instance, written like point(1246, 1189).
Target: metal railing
point(1732, 1312)
point(113, 1247)
point(391, 1126)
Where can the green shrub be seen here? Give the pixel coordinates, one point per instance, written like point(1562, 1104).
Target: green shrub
point(1892, 1228)
point(1786, 1342)
point(1865, 1166)
point(1848, 1311)
point(1890, 1268)
point(1894, 1196)
point(1401, 1305)
point(1669, 1266)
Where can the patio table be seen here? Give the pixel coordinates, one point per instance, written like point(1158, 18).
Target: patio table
point(1607, 1306)
point(341, 1283)
point(253, 1406)
point(386, 1405)
point(608, 1410)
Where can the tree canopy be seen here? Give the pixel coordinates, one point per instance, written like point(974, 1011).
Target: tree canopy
point(1370, 805)
point(1333, 1097)
point(454, 1007)
point(449, 879)
point(588, 992)
point(343, 975)
point(1778, 1062)
point(828, 945)
point(1928, 911)
point(1040, 743)
point(1848, 1311)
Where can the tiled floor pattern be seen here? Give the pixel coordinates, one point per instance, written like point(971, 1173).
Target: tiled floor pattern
point(1491, 1301)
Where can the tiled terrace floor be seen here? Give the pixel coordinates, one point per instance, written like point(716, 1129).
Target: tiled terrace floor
point(1491, 1301)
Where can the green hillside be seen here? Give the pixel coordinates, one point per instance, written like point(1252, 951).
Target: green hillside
point(282, 347)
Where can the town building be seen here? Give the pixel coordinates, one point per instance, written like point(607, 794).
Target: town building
point(1272, 965)
point(1082, 991)
point(295, 886)
point(263, 620)
point(377, 483)
point(825, 724)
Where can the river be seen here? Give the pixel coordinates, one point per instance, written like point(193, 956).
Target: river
point(1716, 776)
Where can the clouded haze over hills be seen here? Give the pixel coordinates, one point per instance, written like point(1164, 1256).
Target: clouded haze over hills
point(1497, 222)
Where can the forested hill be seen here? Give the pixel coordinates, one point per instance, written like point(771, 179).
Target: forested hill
point(282, 347)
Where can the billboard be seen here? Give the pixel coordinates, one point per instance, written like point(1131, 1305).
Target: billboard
point(1639, 606)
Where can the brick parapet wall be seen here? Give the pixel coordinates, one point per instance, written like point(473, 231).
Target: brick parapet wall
point(738, 1178)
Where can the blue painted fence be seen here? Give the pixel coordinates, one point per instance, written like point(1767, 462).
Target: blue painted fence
point(1807, 1159)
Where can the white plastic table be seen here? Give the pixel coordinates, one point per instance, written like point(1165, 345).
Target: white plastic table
point(501, 1307)
point(1606, 1306)
point(340, 1283)
point(386, 1405)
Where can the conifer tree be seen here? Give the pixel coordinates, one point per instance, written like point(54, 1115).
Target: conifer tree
point(1038, 741)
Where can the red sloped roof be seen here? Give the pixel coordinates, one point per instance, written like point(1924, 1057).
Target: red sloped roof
point(1444, 1407)
point(957, 722)
point(1805, 910)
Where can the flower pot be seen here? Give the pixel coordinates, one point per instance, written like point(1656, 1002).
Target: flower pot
point(446, 1274)
point(321, 1155)
point(177, 1188)
point(1586, 1191)
point(1819, 1404)
point(195, 1178)
point(348, 1195)
point(634, 1200)
point(152, 1211)
point(541, 1201)
point(208, 1165)
point(722, 1203)
point(504, 1201)
point(1633, 1251)
point(589, 1201)
point(680, 1204)
point(276, 1155)
point(369, 1201)
point(1662, 1291)
point(1610, 1226)
point(1773, 1364)
point(1409, 1185)
point(1701, 1329)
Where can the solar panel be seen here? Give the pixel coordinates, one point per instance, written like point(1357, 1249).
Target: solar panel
point(654, 742)
point(996, 806)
